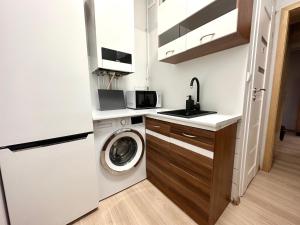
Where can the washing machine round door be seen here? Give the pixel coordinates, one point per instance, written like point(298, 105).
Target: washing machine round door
point(123, 150)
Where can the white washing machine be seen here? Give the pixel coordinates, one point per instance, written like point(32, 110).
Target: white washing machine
point(120, 154)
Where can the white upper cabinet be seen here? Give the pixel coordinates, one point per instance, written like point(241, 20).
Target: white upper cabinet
point(194, 6)
point(173, 48)
point(170, 13)
point(190, 29)
point(110, 34)
point(220, 27)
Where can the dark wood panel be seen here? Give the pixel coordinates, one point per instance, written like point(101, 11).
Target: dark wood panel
point(222, 171)
point(187, 200)
point(158, 126)
point(245, 17)
point(181, 177)
point(192, 181)
point(195, 183)
point(198, 137)
point(195, 164)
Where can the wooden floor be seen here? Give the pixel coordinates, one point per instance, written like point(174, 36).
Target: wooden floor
point(272, 199)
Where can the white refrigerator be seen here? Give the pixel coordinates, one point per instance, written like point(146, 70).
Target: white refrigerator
point(47, 156)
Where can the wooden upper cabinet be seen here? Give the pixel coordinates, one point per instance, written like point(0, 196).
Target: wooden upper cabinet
point(201, 27)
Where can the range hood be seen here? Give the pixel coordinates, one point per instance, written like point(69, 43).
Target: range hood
point(110, 35)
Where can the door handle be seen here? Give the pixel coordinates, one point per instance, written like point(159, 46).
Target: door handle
point(259, 90)
point(207, 35)
point(187, 135)
point(170, 51)
point(255, 91)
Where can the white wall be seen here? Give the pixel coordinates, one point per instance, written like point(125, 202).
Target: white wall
point(292, 92)
point(136, 80)
point(222, 76)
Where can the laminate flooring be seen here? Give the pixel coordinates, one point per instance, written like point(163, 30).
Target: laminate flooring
point(271, 199)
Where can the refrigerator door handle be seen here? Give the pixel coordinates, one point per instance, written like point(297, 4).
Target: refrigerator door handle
point(48, 142)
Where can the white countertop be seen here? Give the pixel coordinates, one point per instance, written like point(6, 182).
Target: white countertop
point(211, 122)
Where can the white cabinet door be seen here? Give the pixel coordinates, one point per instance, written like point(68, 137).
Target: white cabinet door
point(220, 27)
point(50, 185)
point(194, 6)
point(172, 48)
point(171, 13)
point(115, 24)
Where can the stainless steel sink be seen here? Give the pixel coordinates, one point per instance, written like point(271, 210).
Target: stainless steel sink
point(187, 114)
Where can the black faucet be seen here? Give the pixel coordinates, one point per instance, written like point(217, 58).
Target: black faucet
point(197, 105)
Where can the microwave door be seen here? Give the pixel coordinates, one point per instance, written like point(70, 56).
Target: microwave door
point(150, 99)
point(140, 99)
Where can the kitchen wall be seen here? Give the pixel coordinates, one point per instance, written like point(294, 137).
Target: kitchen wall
point(138, 79)
point(222, 76)
point(292, 92)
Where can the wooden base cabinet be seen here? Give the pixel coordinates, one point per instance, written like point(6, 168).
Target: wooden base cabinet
point(199, 185)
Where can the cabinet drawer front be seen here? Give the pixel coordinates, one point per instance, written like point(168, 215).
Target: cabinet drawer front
point(158, 126)
point(198, 137)
point(173, 48)
point(218, 28)
point(198, 166)
point(188, 199)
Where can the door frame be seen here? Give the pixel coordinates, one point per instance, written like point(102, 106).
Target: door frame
point(288, 14)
